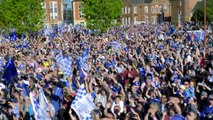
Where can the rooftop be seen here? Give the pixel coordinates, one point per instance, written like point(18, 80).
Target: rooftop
point(140, 1)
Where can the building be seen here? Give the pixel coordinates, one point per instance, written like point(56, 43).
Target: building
point(144, 11)
point(182, 9)
point(53, 12)
point(78, 14)
point(133, 11)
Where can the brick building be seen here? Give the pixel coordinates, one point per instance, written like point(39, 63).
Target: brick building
point(78, 14)
point(54, 12)
point(144, 11)
point(133, 11)
point(182, 8)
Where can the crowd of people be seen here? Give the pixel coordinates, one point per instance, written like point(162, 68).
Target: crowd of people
point(141, 72)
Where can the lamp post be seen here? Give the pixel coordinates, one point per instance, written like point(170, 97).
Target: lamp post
point(204, 50)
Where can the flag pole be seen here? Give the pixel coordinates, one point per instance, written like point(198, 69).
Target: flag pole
point(205, 33)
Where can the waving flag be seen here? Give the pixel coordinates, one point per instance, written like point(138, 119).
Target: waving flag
point(202, 35)
point(9, 71)
point(171, 31)
point(83, 104)
point(39, 113)
point(196, 37)
point(188, 37)
point(13, 36)
point(115, 45)
point(81, 62)
point(65, 64)
point(43, 100)
point(85, 54)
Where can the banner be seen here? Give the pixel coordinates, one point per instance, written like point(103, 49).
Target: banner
point(39, 113)
point(83, 104)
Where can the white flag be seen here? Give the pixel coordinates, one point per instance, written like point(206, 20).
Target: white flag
point(83, 104)
point(39, 113)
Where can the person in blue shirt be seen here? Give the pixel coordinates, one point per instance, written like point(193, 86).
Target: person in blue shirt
point(207, 112)
point(189, 90)
point(28, 109)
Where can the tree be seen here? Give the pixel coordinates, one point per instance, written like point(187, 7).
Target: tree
point(23, 15)
point(101, 14)
point(198, 15)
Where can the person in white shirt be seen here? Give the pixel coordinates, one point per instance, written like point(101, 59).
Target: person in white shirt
point(118, 102)
point(102, 98)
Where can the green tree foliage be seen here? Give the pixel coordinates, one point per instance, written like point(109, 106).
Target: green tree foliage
point(209, 9)
point(24, 15)
point(101, 14)
point(198, 15)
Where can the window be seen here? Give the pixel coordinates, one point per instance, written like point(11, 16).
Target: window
point(165, 8)
point(160, 9)
point(51, 5)
point(126, 21)
point(156, 9)
point(180, 3)
point(56, 17)
point(129, 20)
point(80, 8)
point(146, 10)
point(135, 10)
point(135, 19)
point(51, 10)
point(51, 17)
point(55, 8)
point(123, 21)
point(180, 12)
point(123, 11)
point(153, 20)
point(153, 9)
point(146, 19)
point(128, 10)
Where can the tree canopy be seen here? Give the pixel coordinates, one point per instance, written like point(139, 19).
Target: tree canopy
point(23, 15)
point(198, 15)
point(101, 14)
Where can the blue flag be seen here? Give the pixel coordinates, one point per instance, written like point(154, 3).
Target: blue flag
point(65, 64)
point(171, 31)
point(85, 54)
point(196, 37)
point(202, 35)
point(10, 70)
point(81, 63)
point(188, 37)
point(115, 45)
point(13, 36)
